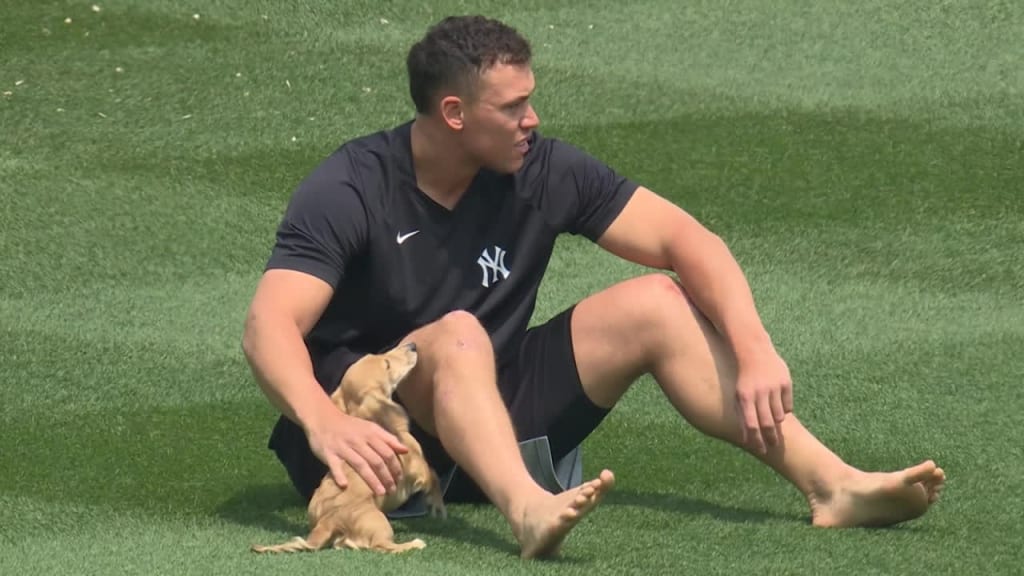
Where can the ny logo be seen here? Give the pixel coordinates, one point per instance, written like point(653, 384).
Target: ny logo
point(494, 264)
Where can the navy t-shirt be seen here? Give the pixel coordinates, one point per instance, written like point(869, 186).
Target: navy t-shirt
point(397, 260)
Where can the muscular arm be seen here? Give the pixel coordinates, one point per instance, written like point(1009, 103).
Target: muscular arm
point(285, 307)
point(654, 232)
point(636, 224)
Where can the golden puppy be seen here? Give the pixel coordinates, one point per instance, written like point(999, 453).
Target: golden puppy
point(354, 517)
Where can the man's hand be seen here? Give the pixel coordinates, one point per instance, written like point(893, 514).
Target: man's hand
point(764, 395)
point(369, 449)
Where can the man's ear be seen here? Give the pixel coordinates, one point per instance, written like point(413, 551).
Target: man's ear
point(451, 111)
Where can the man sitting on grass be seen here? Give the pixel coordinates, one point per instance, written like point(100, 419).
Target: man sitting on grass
point(438, 232)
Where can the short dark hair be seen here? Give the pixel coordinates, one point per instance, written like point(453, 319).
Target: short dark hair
point(456, 51)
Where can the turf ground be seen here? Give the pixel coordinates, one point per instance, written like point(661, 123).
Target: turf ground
point(863, 159)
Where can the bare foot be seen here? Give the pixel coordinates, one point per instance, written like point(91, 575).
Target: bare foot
point(547, 521)
point(879, 499)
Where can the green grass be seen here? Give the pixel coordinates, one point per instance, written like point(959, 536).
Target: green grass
point(862, 159)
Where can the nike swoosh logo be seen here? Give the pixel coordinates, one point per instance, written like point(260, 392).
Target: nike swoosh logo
point(403, 237)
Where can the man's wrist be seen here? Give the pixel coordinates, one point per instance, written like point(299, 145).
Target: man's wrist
point(316, 409)
point(753, 347)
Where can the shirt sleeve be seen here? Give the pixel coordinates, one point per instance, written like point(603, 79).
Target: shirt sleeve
point(591, 194)
point(323, 229)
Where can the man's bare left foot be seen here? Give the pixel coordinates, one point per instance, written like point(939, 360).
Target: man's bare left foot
point(879, 499)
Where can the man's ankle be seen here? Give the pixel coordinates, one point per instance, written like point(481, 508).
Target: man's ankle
point(517, 503)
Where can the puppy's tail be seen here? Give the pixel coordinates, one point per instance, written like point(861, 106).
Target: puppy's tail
point(316, 540)
point(297, 544)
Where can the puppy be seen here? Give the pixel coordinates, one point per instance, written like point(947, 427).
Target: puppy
point(354, 517)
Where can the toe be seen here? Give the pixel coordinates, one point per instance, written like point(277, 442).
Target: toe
point(920, 473)
point(935, 487)
point(936, 481)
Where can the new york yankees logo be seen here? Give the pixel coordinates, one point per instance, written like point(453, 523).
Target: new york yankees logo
point(493, 264)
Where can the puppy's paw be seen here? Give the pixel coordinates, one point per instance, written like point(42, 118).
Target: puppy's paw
point(436, 504)
point(439, 511)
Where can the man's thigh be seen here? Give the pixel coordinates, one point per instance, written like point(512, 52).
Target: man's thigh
point(541, 388)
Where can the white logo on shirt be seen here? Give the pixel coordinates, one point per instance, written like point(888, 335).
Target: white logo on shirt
point(403, 237)
point(493, 264)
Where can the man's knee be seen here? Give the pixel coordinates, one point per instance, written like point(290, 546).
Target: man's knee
point(660, 297)
point(456, 337)
point(447, 346)
point(662, 315)
point(459, 331)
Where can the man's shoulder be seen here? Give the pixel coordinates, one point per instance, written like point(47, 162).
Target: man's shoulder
point(549, 153)
point(373, 147)
point(364, 160)
point(551, 159)
point(383, 140)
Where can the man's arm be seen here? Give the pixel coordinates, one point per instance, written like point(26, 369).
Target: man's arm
point(284, 309)
point(654, 232)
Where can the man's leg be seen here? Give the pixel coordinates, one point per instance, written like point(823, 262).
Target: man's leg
point(648, 325)
point(453, 394)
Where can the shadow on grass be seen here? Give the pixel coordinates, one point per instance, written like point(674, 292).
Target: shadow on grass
point(456, 529)
point(677, 504)
point(277, 508)
point(683, 505)
point(273, 507)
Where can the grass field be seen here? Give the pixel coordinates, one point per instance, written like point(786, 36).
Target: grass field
point(864, 160)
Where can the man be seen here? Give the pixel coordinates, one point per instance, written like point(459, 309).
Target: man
point(438, 231)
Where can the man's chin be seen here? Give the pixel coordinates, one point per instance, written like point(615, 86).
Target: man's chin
point(513, 166)
point(508, 166)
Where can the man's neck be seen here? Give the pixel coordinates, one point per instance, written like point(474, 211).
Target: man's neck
point(442, 172)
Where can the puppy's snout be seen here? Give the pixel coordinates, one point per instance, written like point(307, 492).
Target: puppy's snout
point(411, 346)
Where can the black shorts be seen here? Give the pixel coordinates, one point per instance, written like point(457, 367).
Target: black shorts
point(540, 387)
